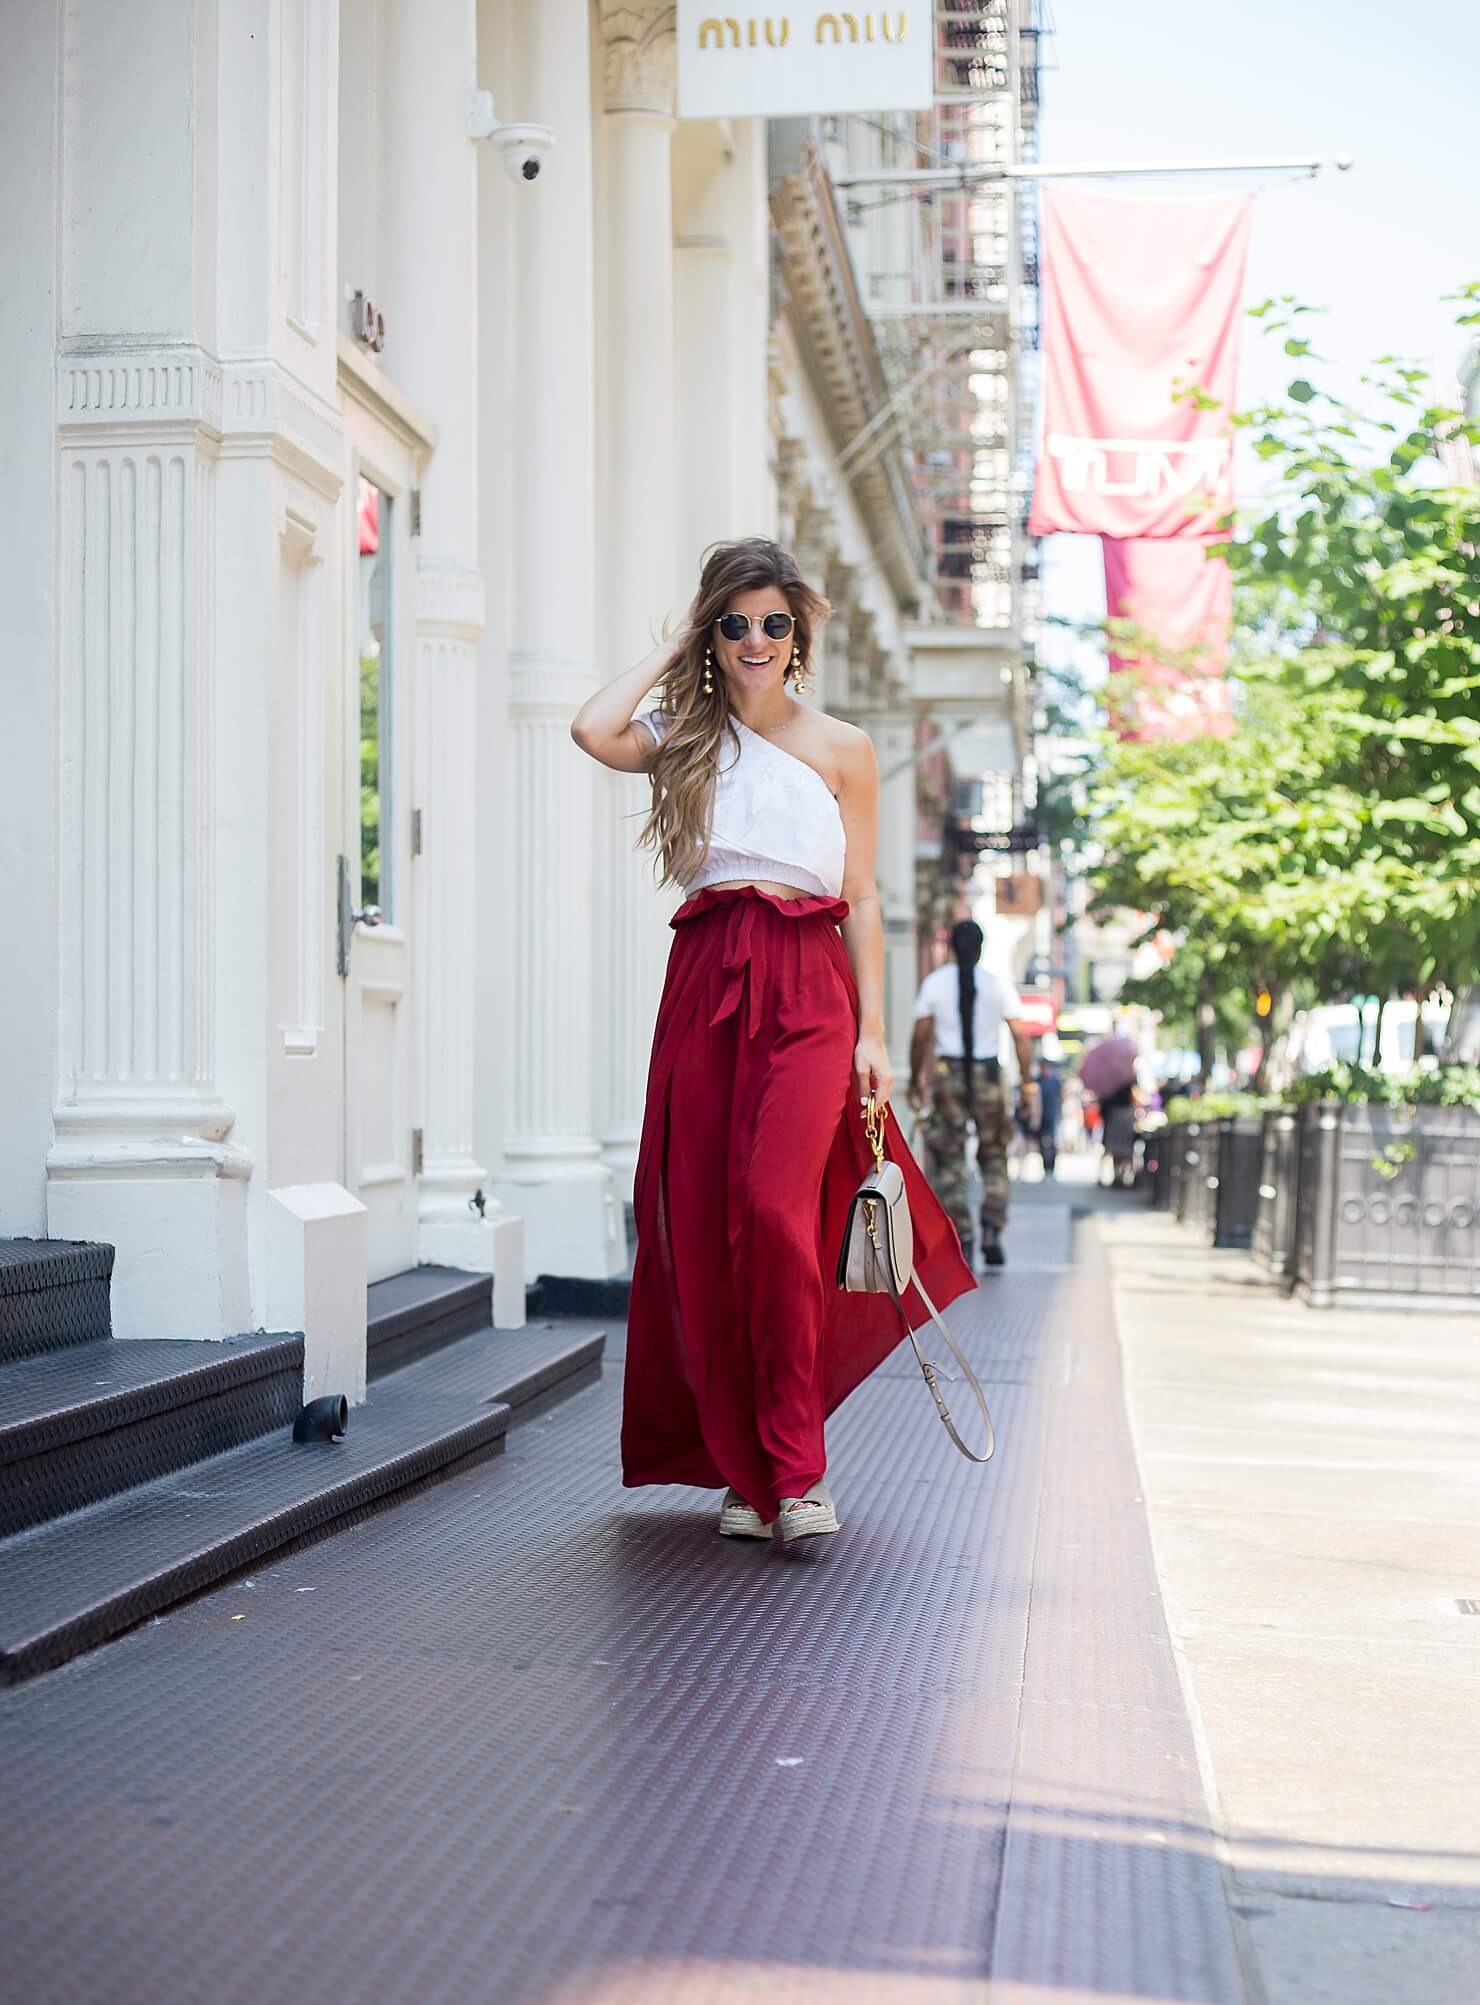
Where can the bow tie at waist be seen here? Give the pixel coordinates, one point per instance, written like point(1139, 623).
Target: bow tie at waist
point(743, 911)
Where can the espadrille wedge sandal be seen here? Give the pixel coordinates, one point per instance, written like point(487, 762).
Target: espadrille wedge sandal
point(808, 1517)
point(738, 1521)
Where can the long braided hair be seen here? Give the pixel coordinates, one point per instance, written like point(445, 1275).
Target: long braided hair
point(966, 945)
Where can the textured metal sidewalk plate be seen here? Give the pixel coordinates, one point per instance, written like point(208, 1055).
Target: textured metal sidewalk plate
point(529, 1737)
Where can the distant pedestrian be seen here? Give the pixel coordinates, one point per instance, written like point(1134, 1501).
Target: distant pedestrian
point(770, 1035)
point(1050, 1112)
point(956, 1078)
point(1118, 1112)
point(1072, 1132)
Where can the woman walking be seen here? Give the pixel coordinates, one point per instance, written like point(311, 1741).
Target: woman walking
point(1118, 1115)
point(769, 1034)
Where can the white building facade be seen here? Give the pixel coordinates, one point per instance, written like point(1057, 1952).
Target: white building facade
point(346, 458)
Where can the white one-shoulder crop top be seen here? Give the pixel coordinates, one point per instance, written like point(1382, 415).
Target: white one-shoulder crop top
point(774, 817)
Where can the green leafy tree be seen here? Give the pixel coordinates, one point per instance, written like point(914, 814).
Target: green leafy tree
point(1332, 838)
point(1372, 567)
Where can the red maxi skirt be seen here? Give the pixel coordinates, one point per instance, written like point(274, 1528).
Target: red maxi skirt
point(739, 1343)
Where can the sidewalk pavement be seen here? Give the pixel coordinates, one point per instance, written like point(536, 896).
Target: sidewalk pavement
point(531, 1739)
point(1313, 1484)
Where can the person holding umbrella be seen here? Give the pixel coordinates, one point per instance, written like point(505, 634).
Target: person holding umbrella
point(1109, 1072)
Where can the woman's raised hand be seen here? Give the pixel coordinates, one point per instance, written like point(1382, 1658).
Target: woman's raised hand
point(604, 725)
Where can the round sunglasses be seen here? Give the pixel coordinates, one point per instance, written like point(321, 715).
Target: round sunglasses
point(775, 626)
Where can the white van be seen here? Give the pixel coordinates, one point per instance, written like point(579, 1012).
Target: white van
point(1346, 1034)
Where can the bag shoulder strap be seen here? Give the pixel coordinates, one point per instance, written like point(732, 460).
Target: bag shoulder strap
point(929, 1370)
point(875, 1116)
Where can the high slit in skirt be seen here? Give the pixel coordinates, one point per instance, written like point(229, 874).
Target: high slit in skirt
point(739, 1344)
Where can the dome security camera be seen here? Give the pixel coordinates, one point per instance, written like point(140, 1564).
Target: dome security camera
point(525, 148)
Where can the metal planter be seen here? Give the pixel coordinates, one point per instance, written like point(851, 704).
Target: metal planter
point(1233, 1199)
point(1388, 1206)
point(1158, 1163)
point(1194, 1206)
point(1176, 1146)
point(1190, 1187)
point(1274, 1225)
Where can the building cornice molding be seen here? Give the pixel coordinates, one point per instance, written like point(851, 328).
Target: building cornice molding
point(640, 66)
point(837, 346)
point(363, 378)
point(268, 413)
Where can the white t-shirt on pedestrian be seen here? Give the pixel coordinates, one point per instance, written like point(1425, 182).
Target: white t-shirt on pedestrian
point(997, 1002)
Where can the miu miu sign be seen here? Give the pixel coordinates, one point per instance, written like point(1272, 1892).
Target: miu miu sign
point(816, 60)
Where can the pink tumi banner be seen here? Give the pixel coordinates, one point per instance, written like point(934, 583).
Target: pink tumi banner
point(1171, 590)
point(1140, 299)
point(1142, 304)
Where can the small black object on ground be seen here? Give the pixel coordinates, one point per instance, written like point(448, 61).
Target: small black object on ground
point(324, 1419)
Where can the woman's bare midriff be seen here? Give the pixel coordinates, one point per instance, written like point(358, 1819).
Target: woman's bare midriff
point(758, 884)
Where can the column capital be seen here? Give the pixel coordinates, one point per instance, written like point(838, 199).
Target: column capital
point(241, 406)
point(449, 599)
point(641, 57)
point(548, 685)
point(159, 386)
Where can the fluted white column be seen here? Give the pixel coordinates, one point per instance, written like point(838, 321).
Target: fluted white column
point(30, 207)
point(640, 567)
point(893, 733)
point(430, 296)
point(552, 1170)
point(143, 1155)
point(137, 497)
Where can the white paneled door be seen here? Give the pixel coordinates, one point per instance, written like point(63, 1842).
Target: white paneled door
point(375, 855)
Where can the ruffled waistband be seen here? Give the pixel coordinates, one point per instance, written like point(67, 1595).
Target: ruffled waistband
point(714, 898)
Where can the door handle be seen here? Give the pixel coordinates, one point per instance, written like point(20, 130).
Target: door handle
point(348, 917)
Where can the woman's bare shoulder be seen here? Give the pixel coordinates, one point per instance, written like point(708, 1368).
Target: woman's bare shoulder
point(851, 749)
point(838, 737)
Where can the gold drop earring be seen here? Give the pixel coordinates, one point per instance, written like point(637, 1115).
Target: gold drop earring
point(799, 669)
point(709, 671)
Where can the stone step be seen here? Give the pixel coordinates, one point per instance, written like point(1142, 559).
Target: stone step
point(71, 1584)
point(573, 1295)
point(518, 1367)
point(53, 1292)
point(94, 1419)
point(411, 1315)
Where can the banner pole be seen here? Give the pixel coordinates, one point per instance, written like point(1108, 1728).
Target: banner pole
point(956, 177)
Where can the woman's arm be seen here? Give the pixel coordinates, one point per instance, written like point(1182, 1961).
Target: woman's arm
point(863, 929)
point(1022, 1045)
point(922, 1053)
point(604, 727)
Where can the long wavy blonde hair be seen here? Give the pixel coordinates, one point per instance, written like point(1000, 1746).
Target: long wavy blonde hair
point(686, 764)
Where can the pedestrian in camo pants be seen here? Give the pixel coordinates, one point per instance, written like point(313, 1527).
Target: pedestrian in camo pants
point(956, 1081)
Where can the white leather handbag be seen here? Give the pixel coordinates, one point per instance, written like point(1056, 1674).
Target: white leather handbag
point(877, 1257)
